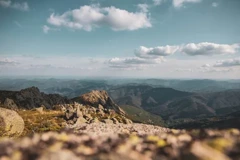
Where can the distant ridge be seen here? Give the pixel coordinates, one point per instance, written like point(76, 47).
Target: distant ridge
point(30, 98)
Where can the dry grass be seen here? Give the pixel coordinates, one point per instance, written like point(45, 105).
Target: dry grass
point(36, 122)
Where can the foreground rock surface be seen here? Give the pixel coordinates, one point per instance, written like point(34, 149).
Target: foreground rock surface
point(120, 128)
point(10, 122)
point(161, 145)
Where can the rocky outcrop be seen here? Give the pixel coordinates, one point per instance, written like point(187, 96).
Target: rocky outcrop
point(10, 122)
point(31, 98)
point(40, 109)
point(78, 114)
point(96, 98)
point(9, 103)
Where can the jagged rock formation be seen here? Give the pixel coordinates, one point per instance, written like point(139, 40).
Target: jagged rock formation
point(31, 98)
point(95, 97)
point(78, 114)
point(10, 122)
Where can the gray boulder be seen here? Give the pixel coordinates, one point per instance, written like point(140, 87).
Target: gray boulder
point(9, 103)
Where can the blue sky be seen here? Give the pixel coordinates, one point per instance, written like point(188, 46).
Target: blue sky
point(137, 38)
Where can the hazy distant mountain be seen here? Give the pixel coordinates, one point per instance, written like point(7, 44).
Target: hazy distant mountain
point(198, 85)
point(129, 94)
point(174, 104)
point(145, 96)
point(73, 88)
point(70, 88)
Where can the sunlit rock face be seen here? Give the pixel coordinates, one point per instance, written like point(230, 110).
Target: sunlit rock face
point(96, 97)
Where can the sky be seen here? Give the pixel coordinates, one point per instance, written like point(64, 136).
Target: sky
point(193, 39)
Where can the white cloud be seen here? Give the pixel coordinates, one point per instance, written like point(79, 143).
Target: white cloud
point(206, 48)
point(157, 2)
point(143, 7)
point(144, 57)
point(228, 63)
point(7, 61)
point(45, 29)
point(133, 63)
point(90, 17)
point(180, 3)
point(16, 5)
point(144, 52)
point(192, 49)
point(214, 4)
point(134, 60)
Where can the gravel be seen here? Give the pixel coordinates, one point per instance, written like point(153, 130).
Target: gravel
point(120, 128)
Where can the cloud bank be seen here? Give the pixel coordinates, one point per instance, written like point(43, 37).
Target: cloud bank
point(89, 17)
point(191, 49)
point(206, 48)
point(149, 53)
point(133, 63)
point(145, 56)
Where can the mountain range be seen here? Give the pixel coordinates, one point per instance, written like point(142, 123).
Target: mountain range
point(173, 104)
point(74, 87)
point(142, 102)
